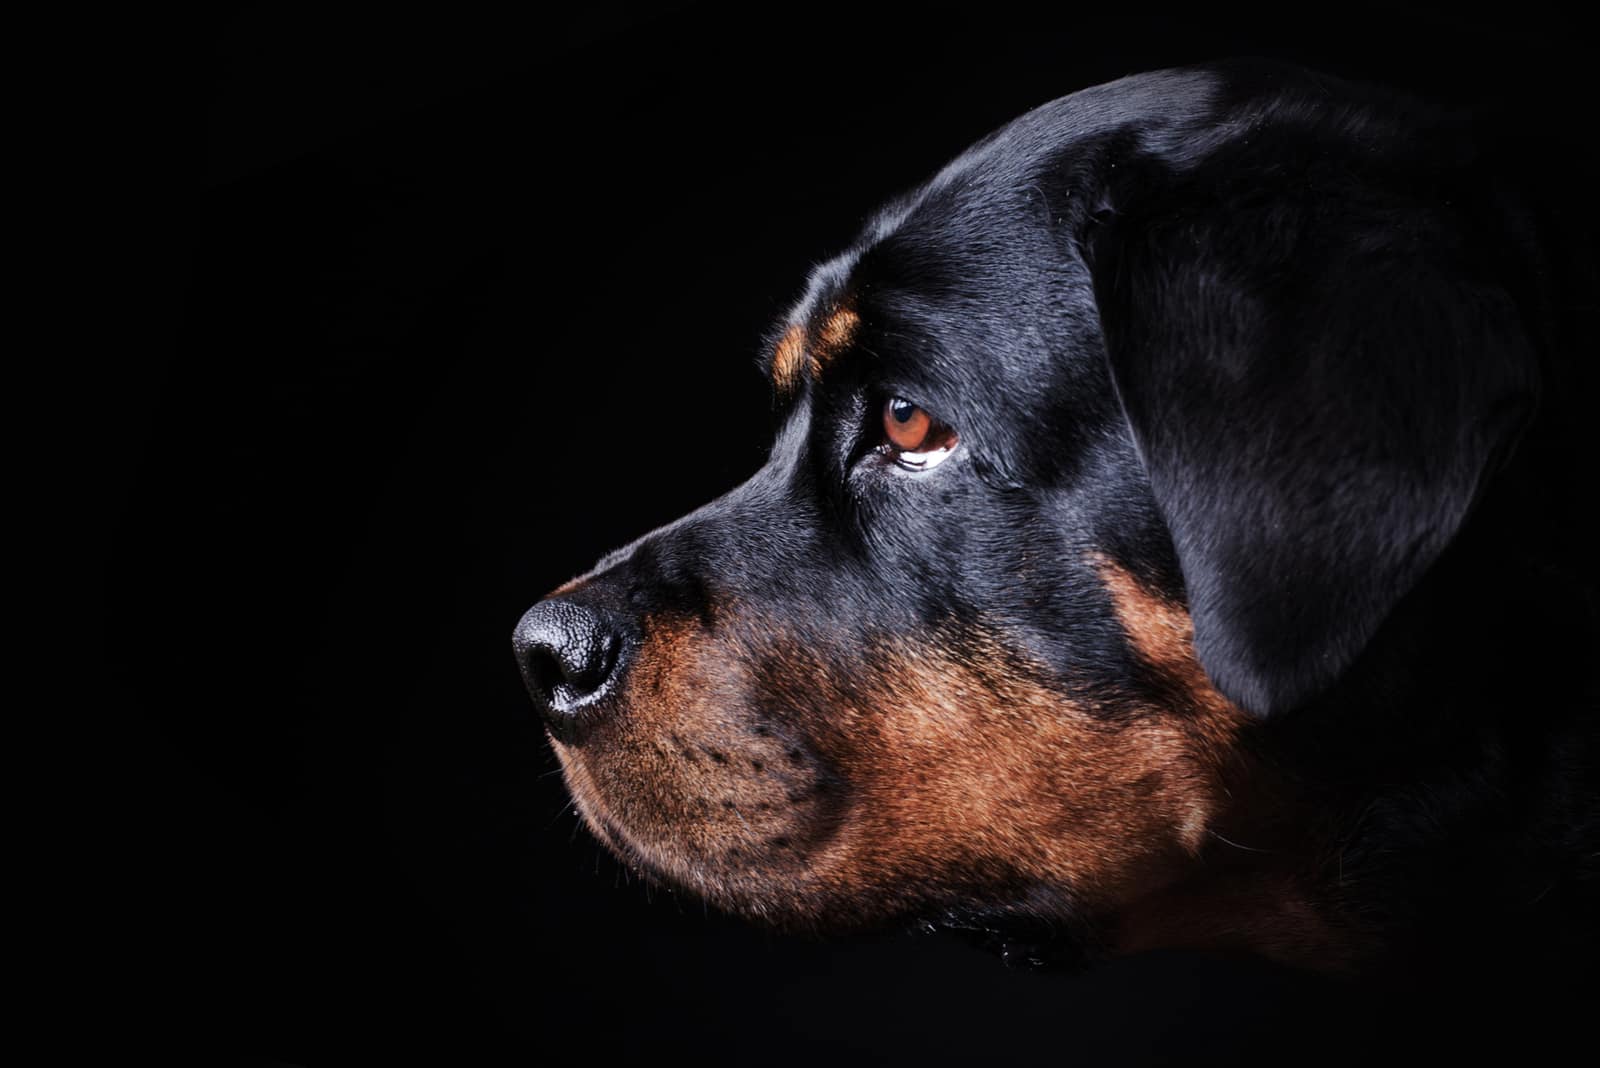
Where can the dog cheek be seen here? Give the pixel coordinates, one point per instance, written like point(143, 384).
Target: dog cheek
point(973, 781)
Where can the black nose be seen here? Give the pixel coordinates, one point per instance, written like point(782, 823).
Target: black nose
point(571, 656)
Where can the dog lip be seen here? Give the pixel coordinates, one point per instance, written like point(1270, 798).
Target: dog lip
point(695, 838)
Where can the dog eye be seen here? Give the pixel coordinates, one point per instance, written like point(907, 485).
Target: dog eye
point(915, 439)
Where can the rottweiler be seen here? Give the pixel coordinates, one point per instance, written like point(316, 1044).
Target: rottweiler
point(1176, 535)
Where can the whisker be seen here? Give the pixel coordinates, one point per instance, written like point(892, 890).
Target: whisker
point(1236, 845)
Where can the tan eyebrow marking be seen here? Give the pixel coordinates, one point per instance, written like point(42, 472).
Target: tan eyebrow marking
point(835, 334)
point(801, 351)
point(788, 358)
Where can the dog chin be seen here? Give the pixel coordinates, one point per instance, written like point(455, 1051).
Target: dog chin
point(1027, 933)
point(735, 881)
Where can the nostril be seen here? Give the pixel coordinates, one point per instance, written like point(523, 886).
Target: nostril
point(577, 670)
point(568, 654)
point(543, 671)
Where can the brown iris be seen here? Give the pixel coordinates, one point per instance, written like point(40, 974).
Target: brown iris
point(905, 425)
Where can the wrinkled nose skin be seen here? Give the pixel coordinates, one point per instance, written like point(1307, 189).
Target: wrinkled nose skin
point(572, 656)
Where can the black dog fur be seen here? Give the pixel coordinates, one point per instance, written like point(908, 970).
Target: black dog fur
point(1311, 363)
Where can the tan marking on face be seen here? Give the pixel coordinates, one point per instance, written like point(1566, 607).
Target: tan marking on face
point(978, 764)
point(856, 783)
point(806, 779)
point(835, 334)
point(1161, 632)
point(808, 351)
point(789, 358)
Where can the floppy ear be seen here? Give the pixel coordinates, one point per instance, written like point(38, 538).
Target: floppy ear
point(1320, 370)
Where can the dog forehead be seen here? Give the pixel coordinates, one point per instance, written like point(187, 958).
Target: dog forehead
point(1163, 110)
point(971, 292)
point(1166, 113)
point(928, 241)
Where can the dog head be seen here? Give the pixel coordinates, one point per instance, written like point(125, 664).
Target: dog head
point(1102, 452)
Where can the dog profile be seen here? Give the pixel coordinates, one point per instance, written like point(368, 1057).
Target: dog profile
point(1176, 537)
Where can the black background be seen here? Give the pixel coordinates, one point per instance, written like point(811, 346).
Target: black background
point(430, 312)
